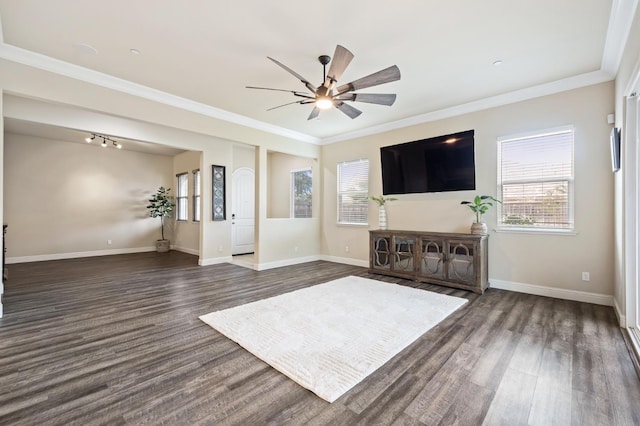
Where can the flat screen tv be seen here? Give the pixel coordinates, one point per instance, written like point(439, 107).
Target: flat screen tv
point(443, 163)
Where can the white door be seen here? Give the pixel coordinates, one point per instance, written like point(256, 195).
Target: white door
point(243, 211)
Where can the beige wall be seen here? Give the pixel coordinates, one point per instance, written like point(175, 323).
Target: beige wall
point(279, 168)
point(244, 156)
point(544, 260)
point(295, 240)
point(63, 197)
point(49, 98)
point(186, 234)
point(627, 72)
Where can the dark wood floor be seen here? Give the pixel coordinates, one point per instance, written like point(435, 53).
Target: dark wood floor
point(117, 340)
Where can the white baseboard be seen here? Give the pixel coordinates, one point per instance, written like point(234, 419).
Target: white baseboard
point(214, 260)
point(622, 320)
point(345, 260)
point(286, 262)
point(558, 293)
point(74, 255)
point(186, 250)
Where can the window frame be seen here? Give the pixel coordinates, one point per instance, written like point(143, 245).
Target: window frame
point(180, 197)
point(292, 203)
point(567, 230)
point(339, 193)
point(196, 199)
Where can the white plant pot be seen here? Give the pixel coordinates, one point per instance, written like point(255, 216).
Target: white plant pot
point(382, 218)
point(479, 228)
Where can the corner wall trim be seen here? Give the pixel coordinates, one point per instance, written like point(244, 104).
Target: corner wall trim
point(74, 255)
point(186, 250)
point(214, 260)
point(622, 319)
point(346, 261)
point(285, 262)
point(558, 293)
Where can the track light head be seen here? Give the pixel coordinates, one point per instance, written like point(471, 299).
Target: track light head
point(104, 140)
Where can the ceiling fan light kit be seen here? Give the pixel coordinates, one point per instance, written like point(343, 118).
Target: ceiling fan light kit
point(327, 95)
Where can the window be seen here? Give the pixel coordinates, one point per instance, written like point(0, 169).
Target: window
point(535, 181)
point(301, 193)
point(181, 197)
point(196, 195)
point(353, 191)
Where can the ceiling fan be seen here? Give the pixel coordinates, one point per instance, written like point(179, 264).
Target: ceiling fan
point(327, 95)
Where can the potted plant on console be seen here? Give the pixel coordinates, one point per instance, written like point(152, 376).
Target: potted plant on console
point(382, 211)
point(479, 206)
point(161, 205)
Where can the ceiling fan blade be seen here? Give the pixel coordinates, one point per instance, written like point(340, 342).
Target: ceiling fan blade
point(280, 106)
point(370, 98)
point(383, 76)
point(304, 81)
point(314, 113)
point(348, 109)
point(296, 93)
point(341, 60)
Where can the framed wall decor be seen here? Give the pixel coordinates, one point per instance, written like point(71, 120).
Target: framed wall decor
point(218, 188)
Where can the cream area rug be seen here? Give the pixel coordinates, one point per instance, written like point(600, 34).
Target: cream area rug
point(329, 337)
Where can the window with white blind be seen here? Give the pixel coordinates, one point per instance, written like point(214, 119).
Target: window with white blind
point(535, 181)
point(196, 195)
point(353, 192)
point(182, 210)
point(301, 193)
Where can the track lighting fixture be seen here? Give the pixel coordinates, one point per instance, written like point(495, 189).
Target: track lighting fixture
point(104, 138)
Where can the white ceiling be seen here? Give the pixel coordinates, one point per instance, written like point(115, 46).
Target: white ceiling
point(208, 51)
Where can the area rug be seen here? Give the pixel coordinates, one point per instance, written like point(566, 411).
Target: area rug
point(329, 337)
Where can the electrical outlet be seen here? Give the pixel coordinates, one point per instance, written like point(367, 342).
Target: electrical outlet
point(586, 276)
point(346, 249)
point(296, 249)
point(220, 248)
point(109, 242)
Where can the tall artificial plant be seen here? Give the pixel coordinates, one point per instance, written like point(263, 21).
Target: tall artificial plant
point(381, 200)
point(161, 205)
point(480, 205)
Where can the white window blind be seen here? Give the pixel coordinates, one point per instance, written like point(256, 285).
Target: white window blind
point(196, 195)
point(353, 192)
point(535, 181)
point(182, 197)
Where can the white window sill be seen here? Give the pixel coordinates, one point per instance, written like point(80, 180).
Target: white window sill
point(357, 225)
point(536, 231)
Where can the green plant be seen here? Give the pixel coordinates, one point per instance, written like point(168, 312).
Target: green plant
point(480, 205)
point(381, 200)
point(161, 205)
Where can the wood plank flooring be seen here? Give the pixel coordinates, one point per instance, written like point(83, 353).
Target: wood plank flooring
point(116, 340)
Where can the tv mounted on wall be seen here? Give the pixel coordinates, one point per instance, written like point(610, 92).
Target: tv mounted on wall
point(614, 138)
point(439, 164)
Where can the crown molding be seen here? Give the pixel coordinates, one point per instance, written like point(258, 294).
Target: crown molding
point(46, 63)
point(553, 87)
point(620, 21)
